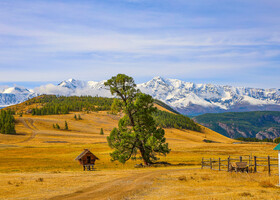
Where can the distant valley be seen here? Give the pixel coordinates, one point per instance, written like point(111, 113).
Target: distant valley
point(265, 124)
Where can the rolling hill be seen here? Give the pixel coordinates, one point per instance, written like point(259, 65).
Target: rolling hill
point(261, 124)
point(41, 158)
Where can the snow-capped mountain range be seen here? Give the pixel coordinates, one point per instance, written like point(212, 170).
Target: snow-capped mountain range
point(15, 95)
point(186, 97)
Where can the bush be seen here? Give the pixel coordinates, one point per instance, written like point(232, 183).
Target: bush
point(276, 140)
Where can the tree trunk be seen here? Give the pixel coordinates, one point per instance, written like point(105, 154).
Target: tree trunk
point(145, 157)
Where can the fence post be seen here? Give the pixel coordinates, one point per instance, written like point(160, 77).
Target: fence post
point(202, 163)
point(228, 162)
point(250, 163)
point(268, 163)
point(255, 164)
point(219, 164)
point(240, 158)
point(210, 163)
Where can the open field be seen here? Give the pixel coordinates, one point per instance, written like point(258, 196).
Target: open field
point(38, 163)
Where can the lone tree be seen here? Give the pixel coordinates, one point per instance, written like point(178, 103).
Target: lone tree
point(66, 125)
point(137, 131)
point(101, 131)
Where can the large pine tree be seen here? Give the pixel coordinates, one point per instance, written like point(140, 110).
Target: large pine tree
point(137, 130)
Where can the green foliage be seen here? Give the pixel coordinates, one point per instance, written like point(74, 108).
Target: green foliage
point(7, 122)
point(168, 120)
point(277, 140)
point(77, 118)
point(66, 126)
point(249, 123)
point(116, 106)
point(137, 130)
point(57, 126)
point(53, 105)
point(101, 131)
point(254, 139)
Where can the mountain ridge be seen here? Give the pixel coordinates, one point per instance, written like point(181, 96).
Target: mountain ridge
point(185, 97)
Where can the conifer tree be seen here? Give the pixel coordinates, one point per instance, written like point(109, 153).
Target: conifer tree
point(101, 131)
point(66, 125)
point(79, 117)
point(137, 130)
point(57, 126)
point(7, 122)
point(75, 117)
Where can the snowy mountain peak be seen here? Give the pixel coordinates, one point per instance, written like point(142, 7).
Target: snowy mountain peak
point(158, 79)
point(16, 90)
point(72, 83)
point(185, 97)
point(190, 98)
point(15, 95)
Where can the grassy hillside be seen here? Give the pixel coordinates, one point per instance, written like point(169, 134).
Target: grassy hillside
point(165, 106)
point(166, 117)
point(41, 159)
point(261, 124)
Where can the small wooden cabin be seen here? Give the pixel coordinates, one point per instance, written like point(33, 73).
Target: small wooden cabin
point(87, 159)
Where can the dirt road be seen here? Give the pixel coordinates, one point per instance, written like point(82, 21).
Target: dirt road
point(119, 188)
point(29, 123)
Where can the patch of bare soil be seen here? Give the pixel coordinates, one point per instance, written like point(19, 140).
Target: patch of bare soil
point(119, 188)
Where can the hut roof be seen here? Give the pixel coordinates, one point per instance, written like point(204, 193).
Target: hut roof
point(277, 147)
point(84, 153)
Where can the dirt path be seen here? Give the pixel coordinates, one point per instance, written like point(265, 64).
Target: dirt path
point(119, 188)
point(31, 127)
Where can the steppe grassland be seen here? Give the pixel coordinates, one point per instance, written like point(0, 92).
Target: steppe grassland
point(206, 184)
point(41, 158)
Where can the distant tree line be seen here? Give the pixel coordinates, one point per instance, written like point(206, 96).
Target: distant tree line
point(53, 105)
point(7, 122)
point(168, 120)
point(254, 139)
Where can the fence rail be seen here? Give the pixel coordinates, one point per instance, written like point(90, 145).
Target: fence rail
point(253, 163)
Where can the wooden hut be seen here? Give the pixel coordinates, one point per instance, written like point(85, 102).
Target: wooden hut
point(87, 159)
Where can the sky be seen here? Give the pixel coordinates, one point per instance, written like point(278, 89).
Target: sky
point(228, 42)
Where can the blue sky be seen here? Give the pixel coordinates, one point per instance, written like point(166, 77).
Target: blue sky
point(234, 42)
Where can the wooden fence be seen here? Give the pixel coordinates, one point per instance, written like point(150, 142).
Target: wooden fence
point(253, 162)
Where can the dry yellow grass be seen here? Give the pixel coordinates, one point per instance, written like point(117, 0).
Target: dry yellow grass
point(205, 184)
point(39, 151)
